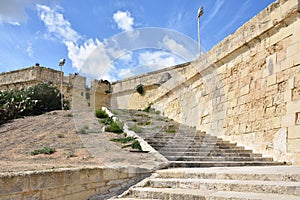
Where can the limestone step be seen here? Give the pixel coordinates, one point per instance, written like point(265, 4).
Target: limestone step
point(221, 163)
point(199, 148)
point(220, 152)
point(192, 144)
point(260, 173)
point(274, 187)
point(181, 136)
point(214, 158)
point(208, 150)
point(195, 194)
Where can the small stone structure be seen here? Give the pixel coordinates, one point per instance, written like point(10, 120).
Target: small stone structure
point(75, 88)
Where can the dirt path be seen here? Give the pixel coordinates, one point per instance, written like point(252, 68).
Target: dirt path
point(56, 130)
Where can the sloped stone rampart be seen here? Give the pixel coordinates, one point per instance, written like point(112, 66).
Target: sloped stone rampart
point(245, 89)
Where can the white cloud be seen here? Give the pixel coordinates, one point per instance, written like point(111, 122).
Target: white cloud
point(125, 73)
point(175, 48)
point(79, 53)
point(90, 58)
point(13, 11)
point(156, 60)
point(29, 50)
point(123, 20)
point(57, 26)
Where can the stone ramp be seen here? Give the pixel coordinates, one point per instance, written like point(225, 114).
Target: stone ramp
point(185, 146)
point(268, 182)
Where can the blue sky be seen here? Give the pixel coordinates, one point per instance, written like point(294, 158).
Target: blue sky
point(91, 34)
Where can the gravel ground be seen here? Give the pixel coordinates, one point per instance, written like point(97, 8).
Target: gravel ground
point(55, 129)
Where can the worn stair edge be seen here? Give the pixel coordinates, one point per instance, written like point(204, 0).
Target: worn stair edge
point(168, 193)
point(275, 187)
point(221, 163)
point(270, 173)
point(216, 158)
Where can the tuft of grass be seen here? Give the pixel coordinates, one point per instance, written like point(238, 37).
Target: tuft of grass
point(68, 115)
point(123, 140)
point(84, 129)
point(136, 129)
point(60, 135)
point(134, 145)
point(71, 154)
point(107, 121)
point(45, 150)
point(170, 131)
point(116, 127)
point(134, 119)
point(144, 123)
point(101, 114)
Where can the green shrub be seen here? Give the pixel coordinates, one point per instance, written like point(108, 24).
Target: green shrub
point(45, 150)
point(139, 89)
point(116, 127)
point(107, 121)
point(101, 114)
point(134, 145)
point(123, 140)
point(33, 100)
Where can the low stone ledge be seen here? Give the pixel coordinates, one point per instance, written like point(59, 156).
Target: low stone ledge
point(68, 183)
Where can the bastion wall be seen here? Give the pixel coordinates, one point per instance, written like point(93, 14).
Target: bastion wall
point(246, 89)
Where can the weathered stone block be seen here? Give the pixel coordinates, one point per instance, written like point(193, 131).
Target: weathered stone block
point(287, 63)
point(278, 99)
point(296, 94)
point(32, 195)
point(271, 80)
point(47, 180)
point(244, 90)
point(293, 107)
point(270, 112)
point(276, 122)
point(10, 196)
point(293, 145)
point(294, 132)
point(288, 120)
point(14, 184)
point(280, 110)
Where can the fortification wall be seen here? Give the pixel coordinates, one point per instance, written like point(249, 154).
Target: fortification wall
point(246, 89)
point(74, 88)
point(28, 77)
point(66, 184)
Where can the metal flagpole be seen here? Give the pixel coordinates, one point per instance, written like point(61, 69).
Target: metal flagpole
point(200, 13)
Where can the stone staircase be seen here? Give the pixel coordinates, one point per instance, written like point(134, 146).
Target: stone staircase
point(273, 182)
point(184, 146)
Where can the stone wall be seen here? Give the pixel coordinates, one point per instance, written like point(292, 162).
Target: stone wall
point(245, 89)
point(75, 89)
point(28, 77)
point(66, 184)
